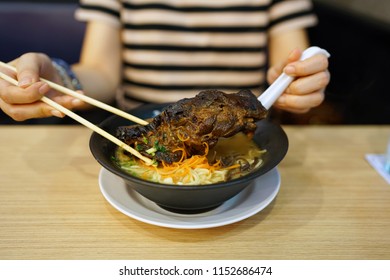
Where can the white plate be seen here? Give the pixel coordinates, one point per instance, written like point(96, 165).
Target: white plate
point(247, 203)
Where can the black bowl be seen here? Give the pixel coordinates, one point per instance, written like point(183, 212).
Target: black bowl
point(189, 199)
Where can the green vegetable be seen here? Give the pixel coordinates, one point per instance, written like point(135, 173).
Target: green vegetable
point(159, 148)
point(138, 147)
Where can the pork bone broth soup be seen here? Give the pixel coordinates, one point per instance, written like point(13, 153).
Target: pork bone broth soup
point(231, 158)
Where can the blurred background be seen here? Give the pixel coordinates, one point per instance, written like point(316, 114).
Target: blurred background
point(355, 32)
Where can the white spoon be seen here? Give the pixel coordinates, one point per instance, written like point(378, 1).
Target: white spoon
point(269, 96)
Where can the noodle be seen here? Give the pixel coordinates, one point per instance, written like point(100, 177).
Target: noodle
point(231, 158)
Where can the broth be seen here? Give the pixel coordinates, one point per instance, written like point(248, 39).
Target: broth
point(231, 158)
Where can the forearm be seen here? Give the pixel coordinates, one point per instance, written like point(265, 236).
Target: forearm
point(96, 83)
point(100, 62)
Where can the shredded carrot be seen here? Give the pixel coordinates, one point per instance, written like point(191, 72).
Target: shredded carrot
point(183, 153)
point(182, 171)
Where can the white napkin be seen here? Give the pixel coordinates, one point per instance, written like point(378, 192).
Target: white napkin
point(378, 161)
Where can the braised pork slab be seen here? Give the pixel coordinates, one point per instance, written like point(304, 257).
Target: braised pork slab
point(193, 125)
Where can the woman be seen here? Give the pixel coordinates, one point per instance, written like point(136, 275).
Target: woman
point(139, 51)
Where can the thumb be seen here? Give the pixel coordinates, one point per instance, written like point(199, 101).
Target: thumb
point(277, 69)
point(294, 56)
point(28, 67)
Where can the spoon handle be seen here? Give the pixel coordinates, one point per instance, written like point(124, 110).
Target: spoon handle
point(269, 96)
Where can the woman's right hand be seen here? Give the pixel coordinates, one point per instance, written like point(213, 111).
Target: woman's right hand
point(22, 102)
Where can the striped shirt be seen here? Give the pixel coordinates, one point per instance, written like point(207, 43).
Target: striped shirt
point(173, 49)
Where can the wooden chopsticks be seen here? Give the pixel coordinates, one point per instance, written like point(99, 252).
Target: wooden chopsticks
point(81, 120)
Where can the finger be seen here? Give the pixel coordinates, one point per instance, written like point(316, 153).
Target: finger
point(309, 84)
point(68, 101)
point(8, 72)
point(15, 95)
point(312, 65)
point(3, 86)
point(295, 111)
point(29, 111)
point(272, 74)
point(300, 102)
point(78, 103)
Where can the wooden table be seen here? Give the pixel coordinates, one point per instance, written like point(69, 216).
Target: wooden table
point(332, 204)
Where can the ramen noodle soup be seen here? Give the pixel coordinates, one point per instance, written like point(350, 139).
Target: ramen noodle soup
point(231, 158)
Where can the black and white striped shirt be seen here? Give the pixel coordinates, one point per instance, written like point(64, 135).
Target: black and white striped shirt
point(174, 48)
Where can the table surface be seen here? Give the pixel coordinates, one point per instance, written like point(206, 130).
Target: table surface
point(331, 205)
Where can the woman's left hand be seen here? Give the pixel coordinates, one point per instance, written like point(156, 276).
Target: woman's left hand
point(307, 90)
